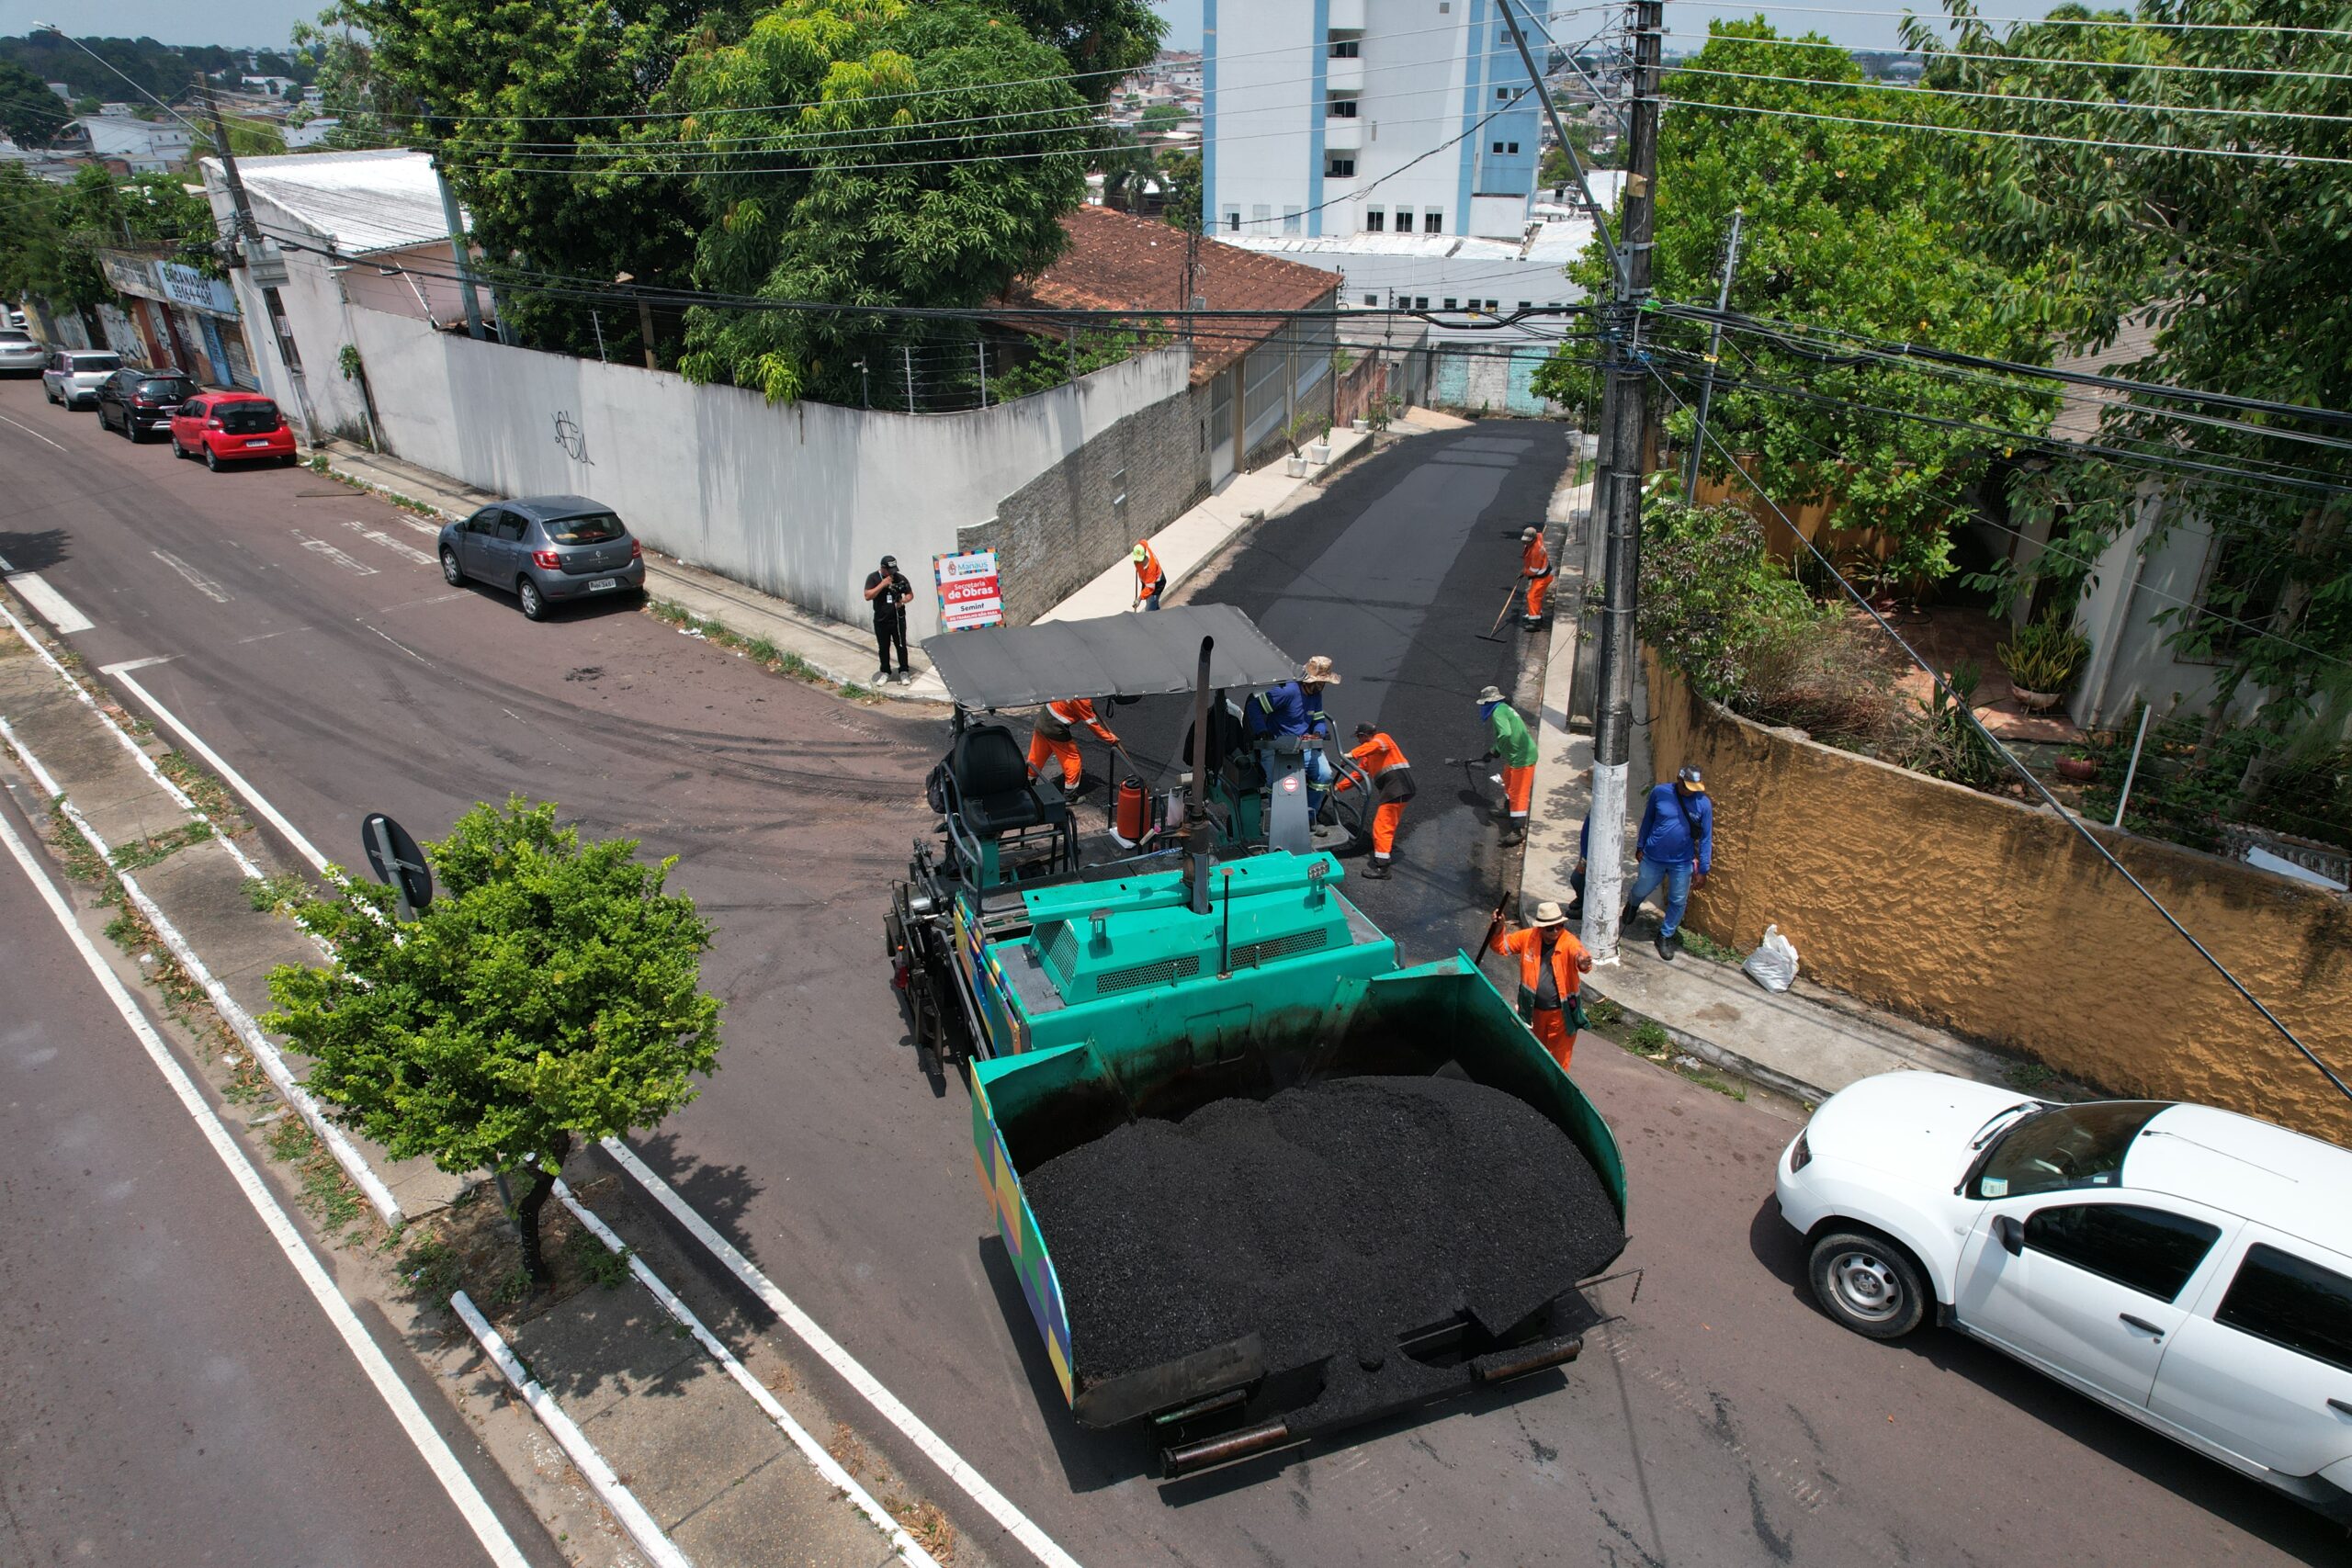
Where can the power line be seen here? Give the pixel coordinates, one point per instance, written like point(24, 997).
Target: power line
point(2119, 22)
point(2102, 104)
point(1940, 53)
point(1961, 705)
point(2259, 156)
point(2050, 547)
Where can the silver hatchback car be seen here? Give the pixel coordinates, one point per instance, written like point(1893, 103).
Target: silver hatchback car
point(544, 550)
point(73, 376)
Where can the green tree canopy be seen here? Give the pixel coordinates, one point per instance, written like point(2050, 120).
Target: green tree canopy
point(2243, 265)
point(922, 155)
point(30, 113)
point(1847, 228)
point(551, 992)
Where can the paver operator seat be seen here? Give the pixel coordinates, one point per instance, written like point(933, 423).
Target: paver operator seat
point(992, 806)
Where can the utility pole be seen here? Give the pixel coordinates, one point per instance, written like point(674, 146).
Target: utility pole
point(1626, 410)
point(1714, 349)
point(457, 252)
point(907, 356)
point(644, 320)
point(246, 228)
point(983, 349)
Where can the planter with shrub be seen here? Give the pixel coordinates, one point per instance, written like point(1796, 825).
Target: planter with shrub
point(2040, 660)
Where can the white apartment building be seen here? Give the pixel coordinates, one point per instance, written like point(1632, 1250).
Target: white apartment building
point(1349, 116)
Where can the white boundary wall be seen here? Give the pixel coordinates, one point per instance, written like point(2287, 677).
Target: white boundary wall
point(799, 501)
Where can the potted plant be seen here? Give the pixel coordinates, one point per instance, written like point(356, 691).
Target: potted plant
point(2040, 660)
point(1318, 450)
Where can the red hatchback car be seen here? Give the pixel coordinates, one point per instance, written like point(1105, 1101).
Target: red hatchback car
point(231, 427)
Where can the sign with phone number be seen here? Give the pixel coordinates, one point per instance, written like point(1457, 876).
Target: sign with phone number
point(969, 594)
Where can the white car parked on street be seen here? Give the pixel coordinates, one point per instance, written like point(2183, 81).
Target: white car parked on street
point(2188, 1267)
point(73, 376)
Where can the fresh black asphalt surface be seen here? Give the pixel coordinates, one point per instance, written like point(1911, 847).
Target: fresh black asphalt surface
point(1720, 1420)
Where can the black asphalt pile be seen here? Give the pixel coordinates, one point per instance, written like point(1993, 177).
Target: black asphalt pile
point(1328, 1220)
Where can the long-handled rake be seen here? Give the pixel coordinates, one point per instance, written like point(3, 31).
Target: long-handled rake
point(1508, 594)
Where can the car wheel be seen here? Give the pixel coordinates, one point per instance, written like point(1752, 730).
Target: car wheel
point(1868, 1283)
point(287, 461)
point(535, 604)
point(451, 570)
point(213, 459)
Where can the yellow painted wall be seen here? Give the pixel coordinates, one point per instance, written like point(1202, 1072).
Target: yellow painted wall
point(1994, 919)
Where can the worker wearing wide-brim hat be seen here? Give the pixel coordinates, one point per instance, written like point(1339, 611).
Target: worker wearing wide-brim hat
point(1516, 747)
point(1552, 965)
point(1287, 718)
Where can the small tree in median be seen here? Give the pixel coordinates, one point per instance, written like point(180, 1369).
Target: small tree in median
point(552, 991)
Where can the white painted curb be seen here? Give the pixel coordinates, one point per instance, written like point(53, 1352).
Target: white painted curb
point(632, 1512)
point(179, 797)
point(893, 1409)
point(824, 1463)
point(240, 1022)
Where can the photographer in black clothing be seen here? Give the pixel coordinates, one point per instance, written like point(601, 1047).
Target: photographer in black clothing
point(888, 591)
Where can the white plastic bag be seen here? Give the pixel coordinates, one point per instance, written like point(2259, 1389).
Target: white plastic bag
point(1773, 964)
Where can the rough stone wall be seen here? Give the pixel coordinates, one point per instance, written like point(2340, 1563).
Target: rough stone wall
point(1995, 919)
point(1066, 526)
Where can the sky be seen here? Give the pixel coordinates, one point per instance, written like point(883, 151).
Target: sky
point(239, 23)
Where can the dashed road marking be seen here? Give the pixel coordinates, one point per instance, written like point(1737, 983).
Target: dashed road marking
point(398, 547)
point(195, 578)
point(53, 606)
point(338, 557)
point(28, 430)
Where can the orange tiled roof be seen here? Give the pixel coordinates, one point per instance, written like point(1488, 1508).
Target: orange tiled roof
point(1119, 262)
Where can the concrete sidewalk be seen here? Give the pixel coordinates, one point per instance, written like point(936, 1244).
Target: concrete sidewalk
point(1808, 1042)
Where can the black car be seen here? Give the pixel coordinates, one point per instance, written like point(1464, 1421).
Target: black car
point(139, 402)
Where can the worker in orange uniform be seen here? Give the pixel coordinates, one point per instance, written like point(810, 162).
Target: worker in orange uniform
point(1149, 579)
point(1383, 762)
point(1053, 739)
point(1552, 966)
point(1535, 565)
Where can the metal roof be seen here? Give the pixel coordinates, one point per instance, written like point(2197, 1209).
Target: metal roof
point(1148, 655)
point(368, 202)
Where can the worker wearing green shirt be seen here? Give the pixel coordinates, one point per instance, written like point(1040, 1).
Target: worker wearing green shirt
point(1517, 749)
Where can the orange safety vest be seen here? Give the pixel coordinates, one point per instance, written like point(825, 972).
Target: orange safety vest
point(1053, 720)
point(1529, 946)
point(1148, 576)
point(1536, 560)
point(1380, 757)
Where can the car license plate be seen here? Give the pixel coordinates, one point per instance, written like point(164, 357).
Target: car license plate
point(257, 442)
point(603, 584)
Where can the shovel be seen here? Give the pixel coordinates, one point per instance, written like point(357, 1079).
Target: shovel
point(1508, 594)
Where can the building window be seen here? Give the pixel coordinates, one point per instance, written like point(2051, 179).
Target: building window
point(1292, 222)
point(1420, 303)
point(1494, 304)
point(1501, 93)
point(1449, 304)
point(1342, 109)
point(1373, 300)
point(1339, 168)
point(1233, 220)
point(1513, 147)
point(285, 332)
point(1346, 48)
point(1375, 220)
point(1498, 146)
point(1432, 221)
point(2242, 586)
point(1404, 221)
point(1260, 215)
point(1527, 304)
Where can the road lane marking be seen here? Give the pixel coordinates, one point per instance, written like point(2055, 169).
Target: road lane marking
point(117, 669)
point(894, 1410)
point(398, 547)
point(402, 645)
point(240, 1022)
point(229, 776)
point(973, 1483)
point(53, 605)
point(824, 1463)
point(422, 527)
point(640, 1525)
point(420, 1432)
point(195, 578)
point(336, 556)
point(28, 430)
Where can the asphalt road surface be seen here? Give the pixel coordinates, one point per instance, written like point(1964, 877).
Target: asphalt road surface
point(1720, 1420)
point(169, 1392)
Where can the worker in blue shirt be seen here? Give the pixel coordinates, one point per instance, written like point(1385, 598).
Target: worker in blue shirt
point(1287, 718)
point(1676, 847)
